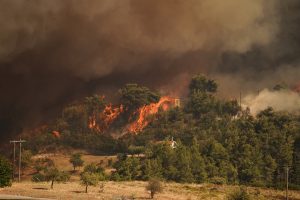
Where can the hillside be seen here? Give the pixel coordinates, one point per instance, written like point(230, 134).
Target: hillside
point(214, 138)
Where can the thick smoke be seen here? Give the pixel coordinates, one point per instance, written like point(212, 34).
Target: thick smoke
point(53, 51)
point(282, 100)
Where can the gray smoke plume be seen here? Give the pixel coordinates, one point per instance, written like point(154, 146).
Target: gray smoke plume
point(53, 52)
point(282, 100)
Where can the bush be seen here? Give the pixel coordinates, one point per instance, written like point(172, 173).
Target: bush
point(52, 174)
point(240, 194)
point(154, 186)
point(89, 179)
point(5, 172)
point(76, 160)
point(94, 168)
point(115, 177)
point(218, 180)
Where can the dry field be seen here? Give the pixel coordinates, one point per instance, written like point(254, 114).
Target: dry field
point(136, 190)
point(126, 190)
point(61, 161)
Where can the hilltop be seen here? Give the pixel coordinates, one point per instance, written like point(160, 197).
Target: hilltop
point(217, 141)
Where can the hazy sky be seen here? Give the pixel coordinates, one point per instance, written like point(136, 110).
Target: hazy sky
point(53, 51)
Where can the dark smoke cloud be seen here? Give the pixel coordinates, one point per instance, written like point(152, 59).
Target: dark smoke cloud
point(53, 52)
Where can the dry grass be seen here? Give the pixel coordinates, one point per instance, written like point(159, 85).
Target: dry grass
point(127, 190)
point(136, 189)
point(61, 161)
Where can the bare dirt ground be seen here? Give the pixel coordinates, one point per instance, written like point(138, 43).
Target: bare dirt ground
point(136, 190)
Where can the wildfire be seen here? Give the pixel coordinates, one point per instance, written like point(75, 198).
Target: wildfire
point(110, 114)
point(56, 134)
point(106, 118)
point(92, 123)
point(147, 110)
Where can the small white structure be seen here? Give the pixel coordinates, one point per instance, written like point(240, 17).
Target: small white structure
point(177, 103)
point(173, 143)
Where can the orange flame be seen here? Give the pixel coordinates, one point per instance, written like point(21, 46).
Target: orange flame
point(92, 122)
point(56, 134)
point(106, 118)
point(147, 110)
point(110, 114)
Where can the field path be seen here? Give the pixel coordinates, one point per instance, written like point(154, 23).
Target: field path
point(6, 196)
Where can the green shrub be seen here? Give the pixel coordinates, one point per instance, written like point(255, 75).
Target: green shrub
point(94, 168)
point(218, 180)
point(89, 179)
point(240, 194)
point(115, 177)
point(5, 172)
point(76, 160)
point(154, 186)
point(52, 174)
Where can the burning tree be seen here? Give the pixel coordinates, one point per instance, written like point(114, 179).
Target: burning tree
point(100, 114)
point(134, 96)
point(94, 105)
point(145, 111)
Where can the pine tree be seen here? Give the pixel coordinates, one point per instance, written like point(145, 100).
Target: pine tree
point(197, 163)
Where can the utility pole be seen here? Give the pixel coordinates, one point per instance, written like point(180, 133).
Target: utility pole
point(287, 183)
point(14, 163)
point(20, 156)
point(241, 100)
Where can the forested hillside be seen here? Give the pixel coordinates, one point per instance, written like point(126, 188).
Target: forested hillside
point(216, 140)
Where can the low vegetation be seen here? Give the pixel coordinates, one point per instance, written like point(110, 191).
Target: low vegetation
point(76, 160)
point(154, 186)
point(91, 176)
point(5, 172)
point(240, 194)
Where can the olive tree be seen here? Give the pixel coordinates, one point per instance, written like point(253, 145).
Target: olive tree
point(89, 179)
point(154, 186)
point(76, 160)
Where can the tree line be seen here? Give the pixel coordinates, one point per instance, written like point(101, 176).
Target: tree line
point(217, 141)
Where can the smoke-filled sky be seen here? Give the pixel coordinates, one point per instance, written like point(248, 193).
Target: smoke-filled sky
point(53, 52)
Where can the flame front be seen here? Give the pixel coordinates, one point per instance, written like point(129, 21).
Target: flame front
point(56, 134)
point(110, 114)
point(144, 112)
point(106, 118)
